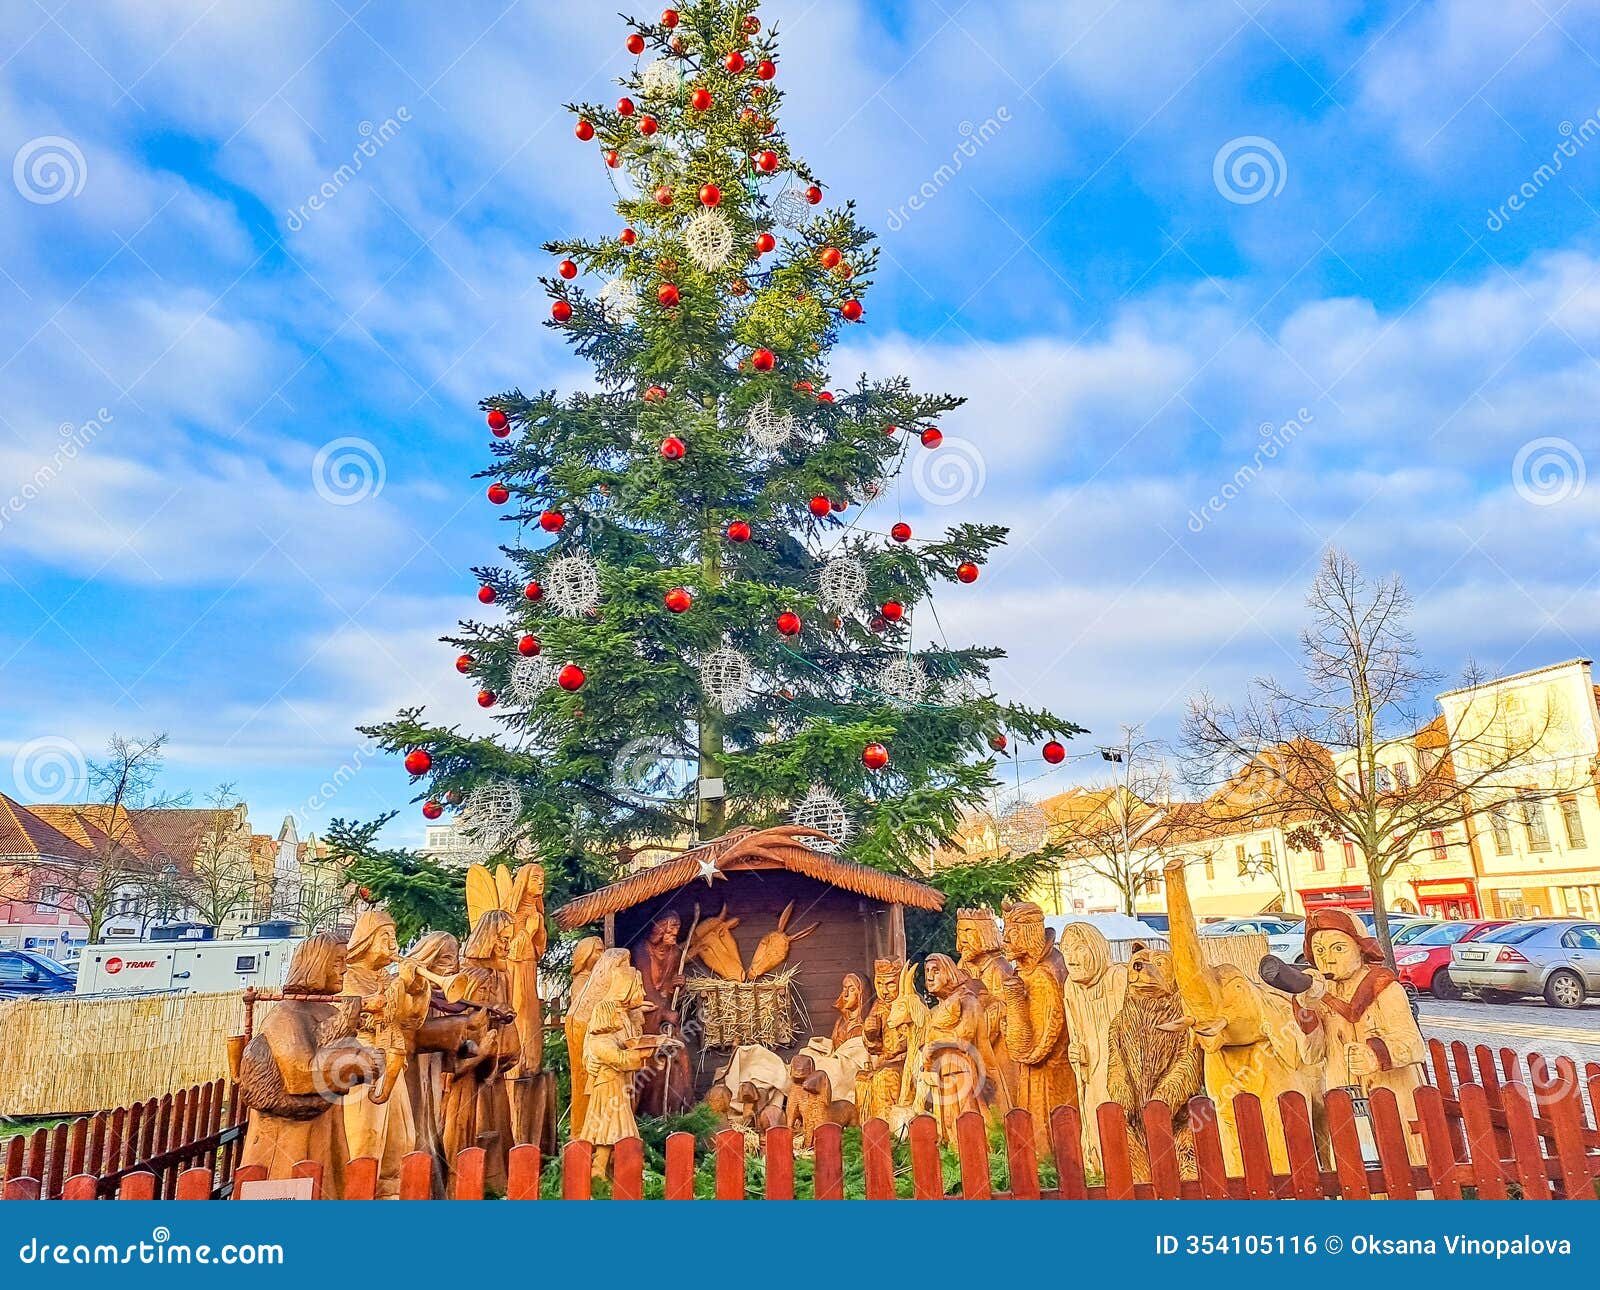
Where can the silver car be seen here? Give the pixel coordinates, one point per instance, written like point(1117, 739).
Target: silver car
point(1557, 958)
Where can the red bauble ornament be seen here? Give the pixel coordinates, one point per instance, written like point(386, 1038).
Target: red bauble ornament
point(765, 242)
point(551, 521)
point(762, 360)
point(850, 311)
point(766, 161)
point(997, 742)
point(1055, 753)
point(893, 610)
point(890, 429)
point(627, 237)
point(499, 494)
point(710, 194)
point(669, 18)
point(825, 397)
point(901, 532)
point(567, 269)
point(738, 531)
point(533, 591)
point(570, 677)
point(820, 506)
point(700, 99)
point(636, 43)
point(584, 131)
point(655, 394)
point(966, 571)
point(613, 158)
point(813, 194)
point(829, 257)
point(878, 624)
point(648, 125)
point(932, 437)
point(498, 421)
point(874, 756)
point(528, 646)
point(624, 107)
point(561, 311)
point(486, 594)
point(840, 503)
point(752, 24)
point(664, 196)
point(431, 810)
point(486, 698)
point(789, 623)
point(667, 294)
point(734, 62)
point(678, 600)
point(803, 385)
point(672, 448)
point(418, 762)
point(463, 663)
point(766, 69)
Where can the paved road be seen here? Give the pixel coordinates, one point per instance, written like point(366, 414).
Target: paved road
point(1525, 1027)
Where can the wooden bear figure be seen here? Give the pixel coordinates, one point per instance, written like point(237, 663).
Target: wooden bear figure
point(1153, 1058)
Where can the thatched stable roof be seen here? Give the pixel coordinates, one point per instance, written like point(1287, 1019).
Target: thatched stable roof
point(748, 849)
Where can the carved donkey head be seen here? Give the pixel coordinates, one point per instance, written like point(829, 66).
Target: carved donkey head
point(773, 949)
point(713, 945)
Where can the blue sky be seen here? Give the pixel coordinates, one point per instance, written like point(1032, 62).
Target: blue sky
point(1125, 311)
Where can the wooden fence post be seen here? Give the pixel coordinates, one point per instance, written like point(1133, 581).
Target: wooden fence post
point(1210, 1163)
point(1348, 1161)
point(680, 1166)
point(972, 1145)
point(523, 1165)
point(877, 1159)
point(927, 1169)
point(627, 1170)
point(1394, 1158)
point(1439, 1144)
point(1161, 1150)
point(1484, 1143)
point(1066, 1140)
point(780, 1163)
point(576, 1161)
point(1300, 1144)
point(827, 1158)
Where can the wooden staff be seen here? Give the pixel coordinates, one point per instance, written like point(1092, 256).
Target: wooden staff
point(677, 990)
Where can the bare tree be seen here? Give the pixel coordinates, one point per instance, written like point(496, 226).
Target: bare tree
point(219, 881)
point(1122, 828)
point(1311, 757)
point(115, 870)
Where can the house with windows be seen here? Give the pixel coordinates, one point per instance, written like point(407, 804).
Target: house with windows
point(1536, 836)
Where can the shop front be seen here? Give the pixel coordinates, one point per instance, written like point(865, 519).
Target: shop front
point(1451, 898)
point(1354, 898)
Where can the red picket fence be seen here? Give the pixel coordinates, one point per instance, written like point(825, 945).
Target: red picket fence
point(1489, 1127)
point(135, 1152)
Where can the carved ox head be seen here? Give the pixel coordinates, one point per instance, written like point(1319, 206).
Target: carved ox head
point(712, 944)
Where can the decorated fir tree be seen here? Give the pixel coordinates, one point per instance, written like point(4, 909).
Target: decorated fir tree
point(703, 617)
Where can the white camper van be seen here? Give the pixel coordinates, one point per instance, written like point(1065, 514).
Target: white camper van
point(192, 962)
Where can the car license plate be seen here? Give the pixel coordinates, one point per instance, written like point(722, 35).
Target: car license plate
point(1472, 954)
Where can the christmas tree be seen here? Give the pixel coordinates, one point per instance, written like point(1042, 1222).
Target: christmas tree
point(702, 618)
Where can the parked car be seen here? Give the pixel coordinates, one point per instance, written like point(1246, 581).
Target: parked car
point(1424, 960)
point(1156, 922)
point(27, 973)
point(1556, 958)
point(1263, 923)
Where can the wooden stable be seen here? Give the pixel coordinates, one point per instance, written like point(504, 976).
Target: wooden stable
point(1491, 1129)
point(859, 912)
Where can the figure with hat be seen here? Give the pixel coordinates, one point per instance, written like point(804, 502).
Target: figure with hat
point(1359, 1006)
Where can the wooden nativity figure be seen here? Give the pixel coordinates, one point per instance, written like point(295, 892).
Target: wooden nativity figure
point(888, 1040)
point(1370, 1039)
point(437, 958)
point(978, 955)
point(849, 1010)
point(584, 956)
point(377, 1117)
point(610, 976)
point(667, 1087)
point(950, 1056)
point(297, 1068)
point(477, 1110)
point(1094, 994)
point(613, 1057)
point(1035, 1022)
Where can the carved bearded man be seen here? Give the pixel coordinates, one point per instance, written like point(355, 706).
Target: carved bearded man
point(668, 1089)
point(1035, 1022)
point(980, 959)
point(1094, 993)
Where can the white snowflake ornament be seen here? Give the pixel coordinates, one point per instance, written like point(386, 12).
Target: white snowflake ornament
point(769, 429)
point(842, 584)
point(903, 680)
point(725, 678)
point(572, 585)
point(790, 208)
point(1022, 826)
point(660, 79)
point(531, 677)
point(619, 298)
point(709, 239)
point(821, 809)
point(490, 812)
